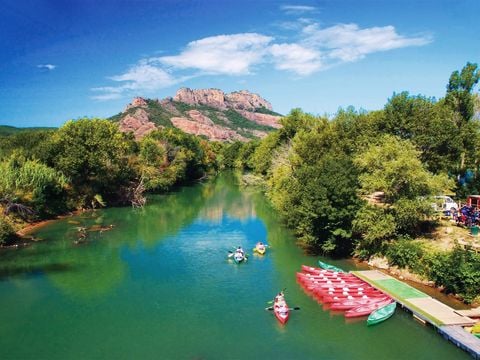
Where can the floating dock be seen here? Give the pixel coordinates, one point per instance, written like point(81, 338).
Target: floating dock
point(447, 321)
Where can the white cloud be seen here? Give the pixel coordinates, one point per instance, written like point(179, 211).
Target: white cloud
point(223, 54)
point(296, 58)
point(139, 78)
point(46, 66)
point(298, 9)
point(107, 96)
point(145, 76)
point(347, 42)
point(314, 49)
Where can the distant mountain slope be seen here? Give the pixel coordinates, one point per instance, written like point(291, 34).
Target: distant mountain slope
point(6, 130)
point(211, 113)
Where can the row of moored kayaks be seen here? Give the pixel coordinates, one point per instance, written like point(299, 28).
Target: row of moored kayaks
point(342, 291)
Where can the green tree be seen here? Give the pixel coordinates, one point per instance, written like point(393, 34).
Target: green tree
point(314, 184)
point(393, 167)
point(30, 143)
point(459, 91)
point(461, 100)
point(94, 154)
point(428, 125)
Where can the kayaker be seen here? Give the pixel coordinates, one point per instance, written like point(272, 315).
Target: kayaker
point(279, 298)
point(260, 246)
point(240, 250)
point(282, 308)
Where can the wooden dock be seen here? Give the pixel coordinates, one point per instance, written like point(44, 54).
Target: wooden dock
point(444, 319)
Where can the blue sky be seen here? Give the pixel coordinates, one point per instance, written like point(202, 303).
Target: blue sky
point(64, 59)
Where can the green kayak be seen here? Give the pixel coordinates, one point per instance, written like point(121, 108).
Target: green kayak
point(329, 267)
point(381, 314)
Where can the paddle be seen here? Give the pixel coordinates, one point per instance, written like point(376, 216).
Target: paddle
point(270, 308)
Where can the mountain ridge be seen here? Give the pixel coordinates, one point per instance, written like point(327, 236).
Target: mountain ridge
point(211, 113)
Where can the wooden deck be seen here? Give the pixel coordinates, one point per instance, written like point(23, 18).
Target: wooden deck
point(472, 313)
point(446, 320)
point(462, 339)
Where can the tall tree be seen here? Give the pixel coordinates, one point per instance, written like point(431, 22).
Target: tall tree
point(460, 98)
point(459, 91)
point(428, 125)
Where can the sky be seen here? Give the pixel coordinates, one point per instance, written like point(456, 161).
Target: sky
point(66, 59)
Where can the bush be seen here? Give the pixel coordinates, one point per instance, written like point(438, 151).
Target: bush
point(457, 271)
point(7, 233)
point(406, 253)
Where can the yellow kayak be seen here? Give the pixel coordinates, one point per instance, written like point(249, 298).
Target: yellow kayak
point(260, 249)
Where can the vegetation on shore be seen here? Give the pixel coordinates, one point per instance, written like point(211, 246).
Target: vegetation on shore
point(318, 172)
point(89, 163)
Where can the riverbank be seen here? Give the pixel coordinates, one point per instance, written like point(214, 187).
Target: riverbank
point(418, 282)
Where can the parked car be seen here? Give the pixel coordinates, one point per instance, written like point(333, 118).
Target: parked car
point(444, 203)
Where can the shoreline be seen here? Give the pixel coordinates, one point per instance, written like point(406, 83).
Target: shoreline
point(24, 232)
point(416, 281)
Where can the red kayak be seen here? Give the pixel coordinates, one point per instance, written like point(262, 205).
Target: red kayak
point(336, 298)
point(328, 284)
point(364, 310)
point(324, 276)
point(326, 292)
point(329, 280)
point(281, 312)
point(321, 272)
point(350, 304)
point(363, 285)
point(314, 270)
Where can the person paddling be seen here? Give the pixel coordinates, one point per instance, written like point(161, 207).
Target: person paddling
point(260, 246)
point(240, 251)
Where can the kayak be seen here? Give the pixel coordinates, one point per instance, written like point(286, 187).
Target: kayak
point(381, 314)
point(363, 285)
point(239, 257)
point(329, 267)
point(329, 283)
point(314, 270)
point(336, 298)
point(363, 310)
point(260, 249)
point(350, 304)
point(325, 276)
point(347, 291)
point(281, 313)
point(321, 282)
point(307, 277)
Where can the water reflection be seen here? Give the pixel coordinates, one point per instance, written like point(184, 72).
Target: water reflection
point(82, 255)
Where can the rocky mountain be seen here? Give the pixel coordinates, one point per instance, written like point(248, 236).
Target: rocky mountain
point(211, 113)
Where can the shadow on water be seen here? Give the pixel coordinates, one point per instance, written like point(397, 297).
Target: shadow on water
point(34, 270)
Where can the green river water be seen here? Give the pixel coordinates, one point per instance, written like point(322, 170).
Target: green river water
point(159, 286)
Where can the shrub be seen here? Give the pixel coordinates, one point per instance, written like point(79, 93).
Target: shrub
point(7, 233)
point(406, 253)
point(457, 271)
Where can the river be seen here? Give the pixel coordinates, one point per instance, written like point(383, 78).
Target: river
point(158, 285)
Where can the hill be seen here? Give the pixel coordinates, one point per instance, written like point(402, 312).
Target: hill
point(6, 130)
point(210, 113)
